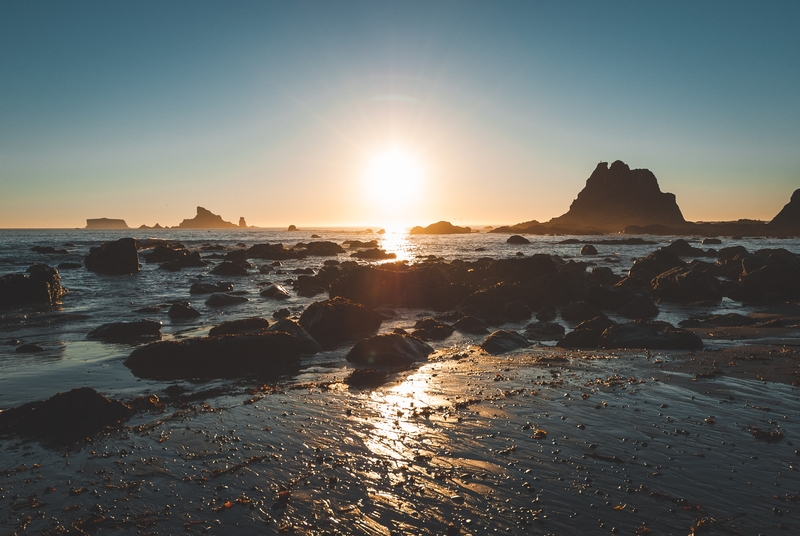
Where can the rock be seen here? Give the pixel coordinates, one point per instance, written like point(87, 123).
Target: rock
point(242, 223)
point(276, 292)
point(180, 311)
point(546, 313)
point(517, 239)
point(374, 254)
point(30, 348)
point(254, 324)
point(229, 269)
point(769, 275)
point(580, 311)
point(323, 249)
point(682, 248)
point(651, 335)
point(442, 227)
point(41, 285)
point(265, 355)
point(544, 331)
point(128, 332)
point(470, 324)
point(292, 228)
point(586, 334)
point(69, 265)
point(271, 252)
point(308, 345)
point(224, 300)
point(178, 256)
point(210, 288)
point(360, 244)
point(205, 219)
point(48, 250)
point(65, 418)
point(789, 216)
point(389, 350)
point(686, 285)
point(517, 310)
point(711, 241)
point(431, 329)
point(655, 263)
point(281, 313)
point(639, 307)
point(604, 276)
point(364, 378)
point(338, 320)
point(588, 249)
point(418, 286)
point(106, 223)
point(119, 257)
point(503, 341)
point(13, 342)
point(724, 320)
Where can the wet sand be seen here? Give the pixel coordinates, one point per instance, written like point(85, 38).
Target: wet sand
point(542, 441)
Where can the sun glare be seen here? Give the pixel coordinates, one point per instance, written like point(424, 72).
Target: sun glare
point(393, 179)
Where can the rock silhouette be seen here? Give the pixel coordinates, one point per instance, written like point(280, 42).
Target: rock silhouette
point(789, 216)
point(105, 223)
point(119, 257)
point(441, 227)
point(205, 219)
point(42, 284)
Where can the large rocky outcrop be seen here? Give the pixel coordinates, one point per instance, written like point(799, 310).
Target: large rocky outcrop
point(42, 285)
point(105, 223)
point(789, 216)
point(119, 257)
point(617, 196)
point(206, 219)
point(441, 227)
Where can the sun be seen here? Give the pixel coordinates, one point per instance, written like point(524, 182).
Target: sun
point(393, 179)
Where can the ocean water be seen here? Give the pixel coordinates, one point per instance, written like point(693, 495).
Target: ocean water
point(70, 360)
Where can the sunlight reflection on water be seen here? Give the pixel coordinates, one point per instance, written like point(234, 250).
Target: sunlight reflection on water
point(397, 241)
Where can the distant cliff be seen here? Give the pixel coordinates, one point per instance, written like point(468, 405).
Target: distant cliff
point(789, 216)
point(206, 219)
point(614, 198)
point(105, 223)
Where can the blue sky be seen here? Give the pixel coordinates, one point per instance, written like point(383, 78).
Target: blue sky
point(272, 110)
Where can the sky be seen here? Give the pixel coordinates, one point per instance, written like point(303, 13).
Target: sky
point(495, 112)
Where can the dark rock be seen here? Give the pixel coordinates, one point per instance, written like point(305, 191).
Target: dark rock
point(242, 222)
point(264, 355)
point(374, 254)
point(544, 331)
point(69, 265)
point(789, 216)
point(30, 348)
point(308, 345)
point(170, 267)
point(588, 249)
point(119, 257)
point(610, 298)
point(686, 285)
point(711, 241)
point(431, 329)
point(229, 269)
point(517, 310)
point(276, 292)
point(731, 253)
point(361, 378)
point(470, 324)
point(238, 327)
point(653, 264)
point(292, 228)
point(389, 350)
point(503, 341)
point(639, 307)
point(182, 311)
point(106, 223)
point(420, 286)
point(48, 250)
point(650, 335)
point(517, 239)
point(64, 418)
point(724, 320)
point(323, 249)
point(338, 320)
point(236, 255)
point(210, 288)
point(180, 257)
point(682, 248)
point(586, 334)
point(271, 252)
point(41, 285)
point(546, 313)
point(442, 227)
point(769, 275)
point(13, 342)
point(359, 244)
point(577, 312)
point(205, 219)
point(281, 313)
point(224, 300)
point(128, 332)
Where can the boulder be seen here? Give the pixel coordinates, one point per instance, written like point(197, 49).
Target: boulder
point(651, 335)
point(419, 286)
point(229, 269)
point(323, 249)
point(580, 311)
point(210, 288)
point(389, 350)
point(281, 313)
point(119, 257)
point(30, 348)
point(586, 334)
point(517, 310)
point(544, 331)
point(273, 252)
point(64, 418)
point(41, 285)
point(254, 324)
point(655, 263)
point(682, 248)
point(265, 355)
point(517, 239)
point(639, 307)
point(359, 244)
point(128, 332)
point(307, 343)
point(374, 254)
point(588, 249)
point(503, 341)
point(178, 256)
point(470, 324)
point(49, 250)
point(276, 292)
point(182, 311)
point(431, 329)
point(686, 284)
point(224, 300)
point(338, 320)
point(769, 275)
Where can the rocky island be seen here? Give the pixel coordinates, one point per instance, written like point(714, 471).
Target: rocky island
point(105, 223)
point(205, 219)
point(442, 227)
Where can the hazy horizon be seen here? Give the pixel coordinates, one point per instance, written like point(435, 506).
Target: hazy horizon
point(357, 114)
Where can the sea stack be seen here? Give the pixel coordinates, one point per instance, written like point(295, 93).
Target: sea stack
point(616, 197)
point(242, 223)
point(789, 216)
point(206, 219)
point(105, 223)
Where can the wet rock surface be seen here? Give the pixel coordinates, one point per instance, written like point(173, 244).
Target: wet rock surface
point(389, 350)
point(240, 326)
point(129, 332)
point(40, 284)
point(503, 341)
point(338, 320)
point(119, 257)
